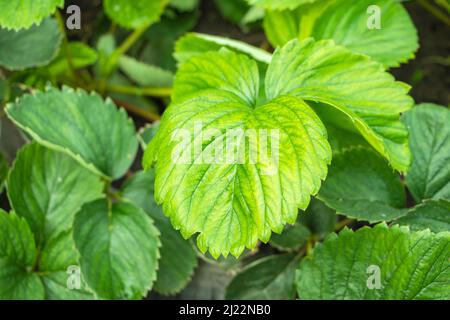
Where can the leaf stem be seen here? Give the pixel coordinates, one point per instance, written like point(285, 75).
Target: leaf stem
point(435, 11)
point(132, 38)
point(342, 224)
point(138, 91)
point(152, 117)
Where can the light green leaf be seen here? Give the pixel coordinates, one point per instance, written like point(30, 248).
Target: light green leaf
point(47, 188)
point(178, 258)
point(292, 238)
point(25, 13)
point(429, 130)
point(270, 278)
point(136, 13)
point(346, 22)
point(58, 262)
point(144, 74)
point(184, 5)
point(391, 39)
point(234, 203)
point(194, 44)
point(412, 265)
point(281, 26)
point(33, 47)
point(432, 214)
point(84, 126)
point(361, 185)
point(118, 245)
point(253, 15)
point(17, 258)
point(358, 87)
point(279, 4)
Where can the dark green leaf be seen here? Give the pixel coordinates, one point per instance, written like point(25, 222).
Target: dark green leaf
point(17, 258)
point(292, 238)
point(178, 258)
point(269, 278)
point(28, 48)
point(432, 214)
point(377, 263)
point(118, 245)
point(83, 125)
point(47, 188)
point(361, 185)
point(429, 130)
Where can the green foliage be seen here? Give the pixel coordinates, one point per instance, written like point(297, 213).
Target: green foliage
point(28, 48)
point(81, 56)
point(385, 32)
point(429, 176)
point(319, 219)
point(293, 238)
point(233, 10)
point(361, 185)
point(351, 83)
point(432, 214)
point(279, 4)
point(173, 275)
point(412, 265)
point(269, 278)
point(17, 256)
point(240, 92)
point(116, 241)
point(308, 164)
point(184, 5)
point(197, 44)
point(145, 74)
point(136, 13)
point(23, 14)
point(108, 148)
point(4, 168)
point(48, 188)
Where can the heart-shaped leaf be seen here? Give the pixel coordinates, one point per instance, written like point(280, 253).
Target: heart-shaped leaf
point(235, 202)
